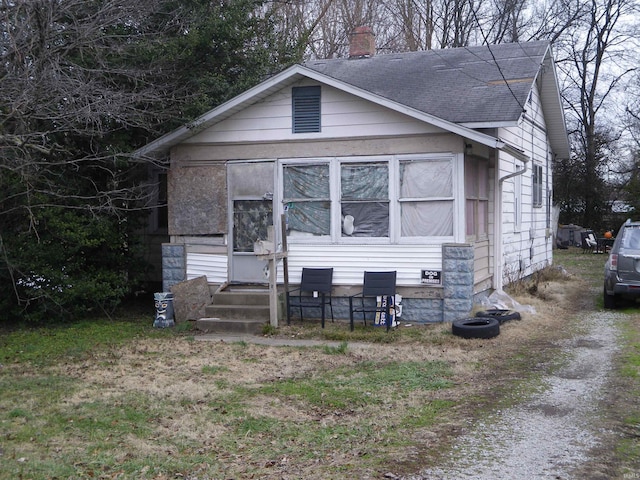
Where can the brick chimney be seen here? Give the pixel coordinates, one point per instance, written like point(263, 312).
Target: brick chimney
point(363, 43)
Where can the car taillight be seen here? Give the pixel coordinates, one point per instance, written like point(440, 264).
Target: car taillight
point(613, 262)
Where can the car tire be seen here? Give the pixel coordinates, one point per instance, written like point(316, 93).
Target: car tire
point(502, 315)
point(476, 327)
point(609, 300)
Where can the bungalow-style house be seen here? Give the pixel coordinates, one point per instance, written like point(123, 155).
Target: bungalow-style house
point(435, 164)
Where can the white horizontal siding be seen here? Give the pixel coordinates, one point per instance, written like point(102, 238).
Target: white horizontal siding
point(481, 260)
point(343, 116)
point(520, 259)
point(349, 262)
point(213, 266)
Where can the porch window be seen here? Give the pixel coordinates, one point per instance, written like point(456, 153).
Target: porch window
point(537, 185)
point(364, 194)
point(426, 198)
point(371, 200)
point(476, 185)
point(307, 199)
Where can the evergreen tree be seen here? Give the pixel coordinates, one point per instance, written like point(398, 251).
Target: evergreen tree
point(82, 84)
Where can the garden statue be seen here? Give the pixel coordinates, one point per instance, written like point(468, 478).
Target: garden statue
point(164, 310)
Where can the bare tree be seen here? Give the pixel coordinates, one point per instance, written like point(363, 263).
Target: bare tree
point(551, 21)
point(595, 65)
point(59, 81)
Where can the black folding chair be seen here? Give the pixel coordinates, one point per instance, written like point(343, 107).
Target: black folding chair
point(314, 292)
point(377, 286)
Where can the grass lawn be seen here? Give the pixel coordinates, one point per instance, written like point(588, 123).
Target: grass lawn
point(119, 399)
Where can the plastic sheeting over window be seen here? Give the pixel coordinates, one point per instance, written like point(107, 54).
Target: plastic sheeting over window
point(426, 195)
point(364, 182)
point(426, 179)
point(364, 190)
point(370, 219)
point(307, 199)
point(425, 219)
point(421, 198)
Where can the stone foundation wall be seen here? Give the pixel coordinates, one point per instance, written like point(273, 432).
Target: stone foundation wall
point(174, 265)
point(457, 281)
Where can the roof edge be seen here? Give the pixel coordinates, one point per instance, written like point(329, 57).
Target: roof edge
point(202, 122)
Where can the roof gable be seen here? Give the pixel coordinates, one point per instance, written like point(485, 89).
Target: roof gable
point(344, 115)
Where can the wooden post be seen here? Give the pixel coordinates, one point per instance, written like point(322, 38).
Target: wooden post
point(285, 262)
point(273, 291)
point(272, 257)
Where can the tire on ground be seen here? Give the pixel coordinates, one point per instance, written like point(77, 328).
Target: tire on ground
point(476, 327)
point(502, 315)
point(609, 300)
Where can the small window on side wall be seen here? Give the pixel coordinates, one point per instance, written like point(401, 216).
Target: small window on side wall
point(537, 185)
point(306, 109)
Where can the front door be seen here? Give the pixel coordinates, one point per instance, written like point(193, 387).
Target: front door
point(251, 207)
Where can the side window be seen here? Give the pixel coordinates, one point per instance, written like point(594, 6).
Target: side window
point(307, 199)
point(517, 201)
point(631, 238)
point(537, 185)
point(305, 103)
point(364, 199)
point(426, 198)
point(476, 181)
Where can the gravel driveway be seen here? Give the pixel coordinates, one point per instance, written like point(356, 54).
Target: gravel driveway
point(549, 435)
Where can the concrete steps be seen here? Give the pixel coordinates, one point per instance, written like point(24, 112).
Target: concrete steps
point(236, 309)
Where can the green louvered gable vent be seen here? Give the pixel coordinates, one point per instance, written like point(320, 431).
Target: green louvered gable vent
point(306, 109)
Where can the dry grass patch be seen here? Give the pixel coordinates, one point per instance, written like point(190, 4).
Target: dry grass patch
point(169, 406)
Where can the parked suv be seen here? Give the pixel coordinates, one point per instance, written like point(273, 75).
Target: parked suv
point(622, 270)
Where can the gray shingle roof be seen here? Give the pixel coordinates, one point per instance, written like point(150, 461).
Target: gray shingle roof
point(461, 85)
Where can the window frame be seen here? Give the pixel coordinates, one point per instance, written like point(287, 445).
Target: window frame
point(429, 199)
point(370, 200)
point(394, 201)
point(537, 182)
point(285, 201)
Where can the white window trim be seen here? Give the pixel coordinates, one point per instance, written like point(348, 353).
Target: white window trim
point(537, 189)
point(336, 180)
point(458, 215)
